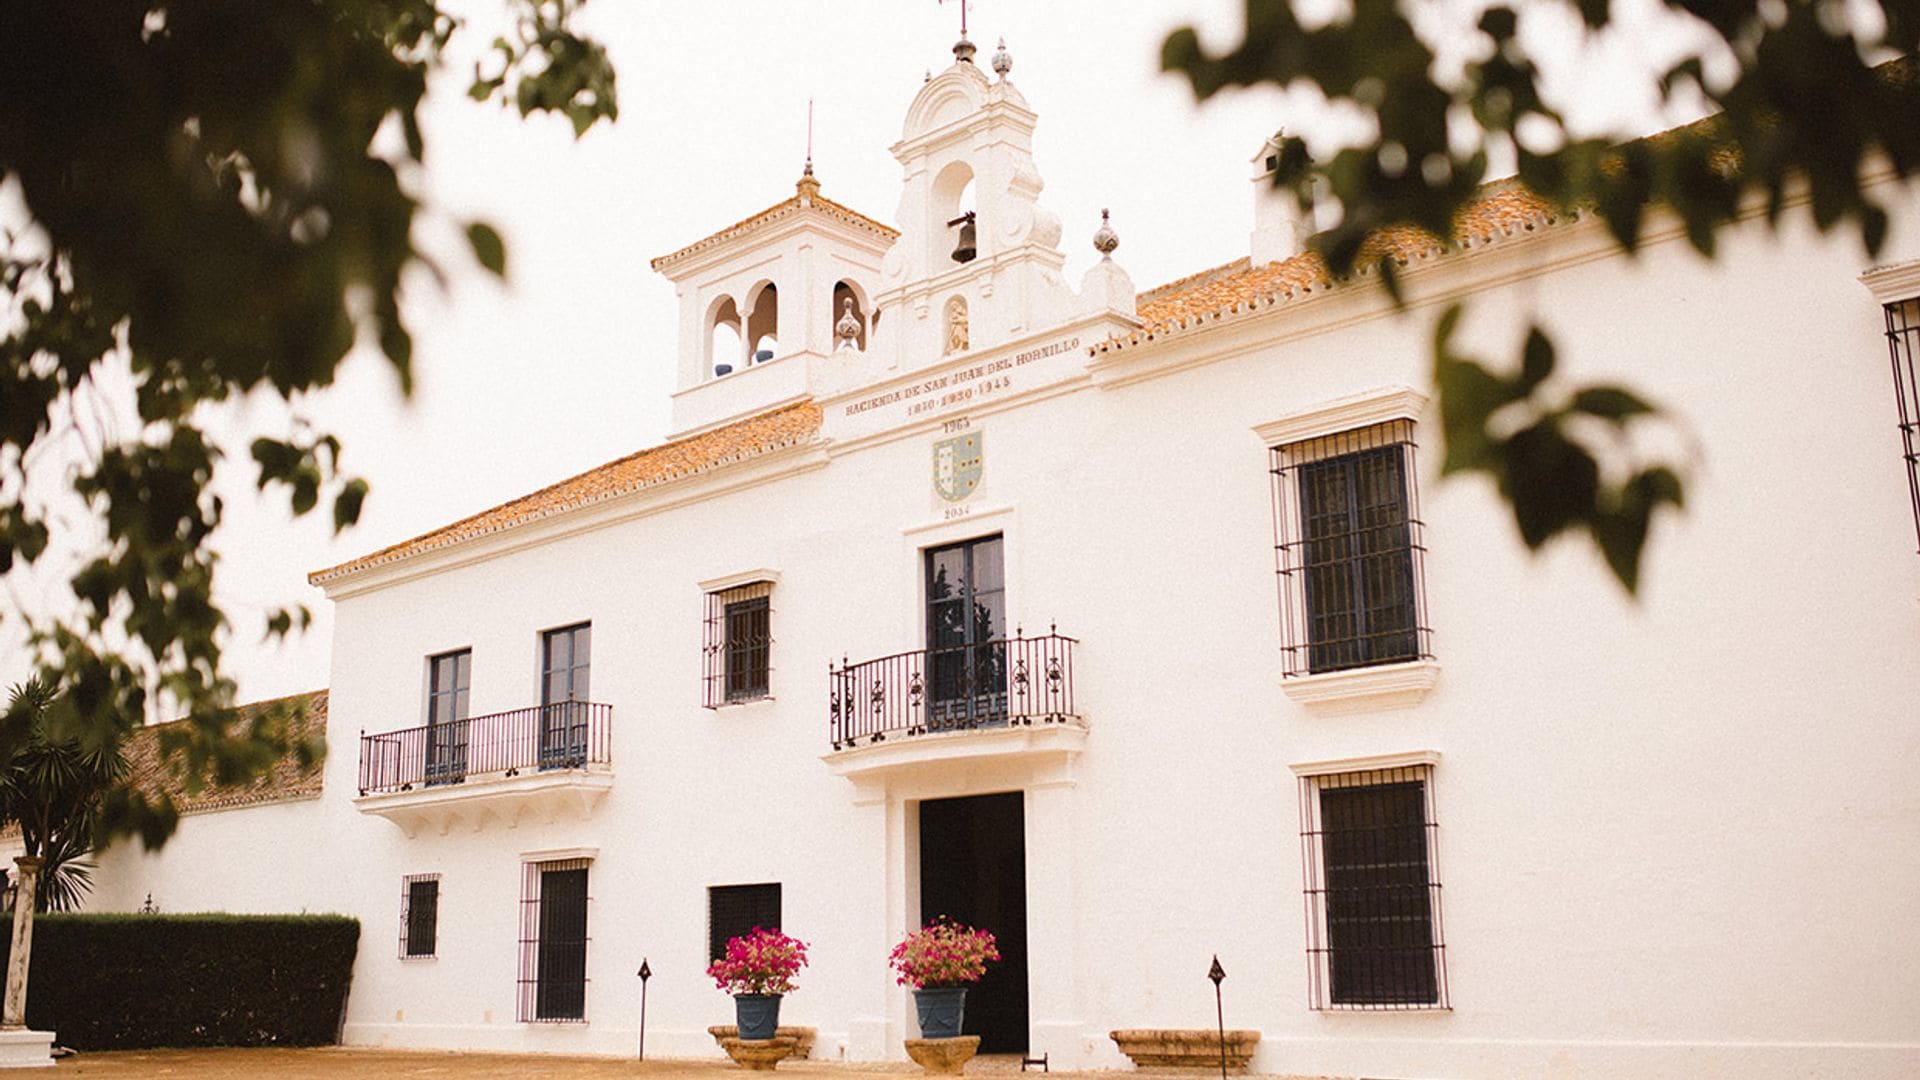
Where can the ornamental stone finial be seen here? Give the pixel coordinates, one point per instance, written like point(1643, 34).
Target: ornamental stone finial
point(1105, 240)
point(1002, 60)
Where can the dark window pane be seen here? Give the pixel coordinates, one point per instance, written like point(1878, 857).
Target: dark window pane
point(561, 992)
point(1357, 559)
point(735, 910)
point(1379, 912)
point(423, 914)
point(748, 635)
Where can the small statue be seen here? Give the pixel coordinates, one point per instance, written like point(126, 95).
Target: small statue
point(956, 326)
point(848, 328)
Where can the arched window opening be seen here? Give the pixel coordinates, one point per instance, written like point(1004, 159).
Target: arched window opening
point(724, 347)
point(763, 324)
point(846, 301)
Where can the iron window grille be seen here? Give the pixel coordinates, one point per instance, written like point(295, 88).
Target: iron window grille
point(1903, 345)
point(419, 916)
point(1350, 550)
point(552, 983)
point(737, 653)
point(735, 910)
point(1372, 881)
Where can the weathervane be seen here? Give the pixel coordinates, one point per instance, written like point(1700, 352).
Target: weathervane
point(963, 49)
point(963, 18)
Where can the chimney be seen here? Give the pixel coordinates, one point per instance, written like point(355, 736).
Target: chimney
point(1280, 228)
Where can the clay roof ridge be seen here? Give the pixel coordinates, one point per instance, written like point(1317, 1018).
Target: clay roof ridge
point(791, 204)
point(604, 482)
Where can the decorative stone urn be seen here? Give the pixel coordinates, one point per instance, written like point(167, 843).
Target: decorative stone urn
point(802, 1037)
point(760, 1055)
point(943, 1057)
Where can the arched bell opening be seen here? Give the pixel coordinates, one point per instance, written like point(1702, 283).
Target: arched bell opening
point(725, 346)
point(954, 214)
point(763, 324)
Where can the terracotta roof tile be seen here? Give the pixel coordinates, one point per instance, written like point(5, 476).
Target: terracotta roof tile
point(807, 198)
point(1239, 284)
point(737, 441)
point(287, 781)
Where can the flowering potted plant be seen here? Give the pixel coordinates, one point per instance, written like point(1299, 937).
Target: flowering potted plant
point(758, 968)
point(938, 961)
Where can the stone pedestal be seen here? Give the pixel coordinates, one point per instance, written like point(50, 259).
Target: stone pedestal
point(1185, 1048)
point(760, 1055)
point(23, 1049)
point(943, 1057)
point(802, 1037)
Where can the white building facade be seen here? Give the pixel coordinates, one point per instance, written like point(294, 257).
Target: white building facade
point(1139, 629)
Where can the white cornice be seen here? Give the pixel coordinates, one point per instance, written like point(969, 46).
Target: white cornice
point(1405, 759)
point(1890, 284)
point(743, 577)
point(1345, 414)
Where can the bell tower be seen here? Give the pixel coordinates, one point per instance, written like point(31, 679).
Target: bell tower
point(978, 261)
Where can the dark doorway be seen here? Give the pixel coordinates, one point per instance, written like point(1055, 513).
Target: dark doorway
point(973, 869)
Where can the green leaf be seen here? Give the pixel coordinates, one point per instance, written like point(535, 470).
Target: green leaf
point(488, 249)
point(1536, 360)
point(346, 505)
point(1611, 403)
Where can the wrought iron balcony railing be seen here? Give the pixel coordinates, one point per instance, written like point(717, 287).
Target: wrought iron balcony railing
point(1011, 681)
point(564, 735)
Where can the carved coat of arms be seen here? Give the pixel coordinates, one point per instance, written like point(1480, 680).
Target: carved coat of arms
point(957, 464)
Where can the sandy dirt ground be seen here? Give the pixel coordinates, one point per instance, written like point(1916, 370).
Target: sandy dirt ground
point(335, 1063)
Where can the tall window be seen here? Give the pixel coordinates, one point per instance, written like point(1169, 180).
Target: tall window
point(734, 910)
point(1349, 549)
point(449, 677)
point(553, 941)
point(565, 656)
point(1373, 890)
point(419, 916)
point(966, 634)
point(739, 642)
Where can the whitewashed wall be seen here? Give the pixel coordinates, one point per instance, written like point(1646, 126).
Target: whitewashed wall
point(1676, 836)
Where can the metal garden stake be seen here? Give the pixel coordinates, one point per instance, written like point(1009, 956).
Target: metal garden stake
point(1217, 973)
point(645, 974)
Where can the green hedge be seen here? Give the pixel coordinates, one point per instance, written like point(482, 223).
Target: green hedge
point(122, 982)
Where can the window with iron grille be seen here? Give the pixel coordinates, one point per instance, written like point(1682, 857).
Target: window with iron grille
point(419, 916)
point(1350, 551)
point(1903, 343)
point(1372, 890)
point(552, 982)
point(738, 647)
point(735, 910)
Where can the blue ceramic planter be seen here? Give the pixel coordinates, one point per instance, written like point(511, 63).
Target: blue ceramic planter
point(757, 1014)
point(941, 1010)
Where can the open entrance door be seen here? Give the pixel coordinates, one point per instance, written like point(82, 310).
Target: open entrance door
point(973, 869)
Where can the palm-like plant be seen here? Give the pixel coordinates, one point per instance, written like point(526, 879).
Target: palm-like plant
point(51, 786)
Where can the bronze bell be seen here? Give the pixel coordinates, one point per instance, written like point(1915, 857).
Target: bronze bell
point(966, 249)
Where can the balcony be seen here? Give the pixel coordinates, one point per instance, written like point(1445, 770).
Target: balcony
point(539, 763)
point(1011, 697)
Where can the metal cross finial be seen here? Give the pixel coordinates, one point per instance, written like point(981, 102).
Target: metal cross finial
point(963, 17)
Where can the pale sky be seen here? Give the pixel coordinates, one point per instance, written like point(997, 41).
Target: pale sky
point(570, 363)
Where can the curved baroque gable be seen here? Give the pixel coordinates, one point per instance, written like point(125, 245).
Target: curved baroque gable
point(956, 92)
